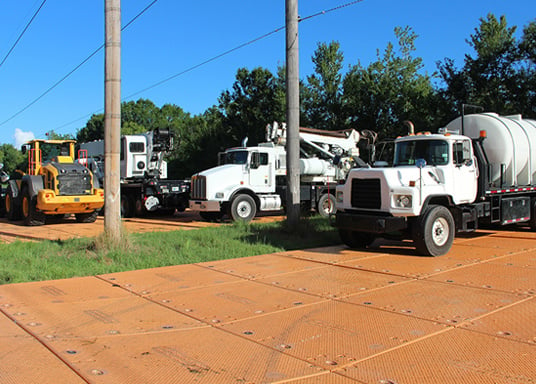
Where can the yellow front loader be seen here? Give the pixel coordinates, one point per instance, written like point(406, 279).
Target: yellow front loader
point(53, 185)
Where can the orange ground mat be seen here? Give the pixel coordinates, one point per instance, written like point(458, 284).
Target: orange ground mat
point(318, 316)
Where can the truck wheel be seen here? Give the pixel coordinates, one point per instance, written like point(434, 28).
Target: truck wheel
point(127, 206)
point(433, 233)
point(88, 217)
point(29, 210)
point(243, 208)
point(326, 205)
point(139, 207)
point(12, 210)
point(355, 239)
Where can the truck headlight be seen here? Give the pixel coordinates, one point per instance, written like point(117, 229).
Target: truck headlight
point(340, 196)
point(219, 195)
point(402, 201)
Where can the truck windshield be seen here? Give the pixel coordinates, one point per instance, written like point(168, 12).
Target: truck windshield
point(235, 157)
point(435, 152)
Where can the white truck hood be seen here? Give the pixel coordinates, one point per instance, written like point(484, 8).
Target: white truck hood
point(224, 178)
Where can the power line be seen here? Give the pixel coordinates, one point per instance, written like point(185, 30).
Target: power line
point(75, 68)
point(240, 47)
point(22, 33)
point(321, 13)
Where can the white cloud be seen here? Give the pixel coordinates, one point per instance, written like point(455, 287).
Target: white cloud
point(21, 137)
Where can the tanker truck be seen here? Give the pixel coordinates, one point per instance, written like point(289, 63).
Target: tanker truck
point(252, 179)
point(479, 170)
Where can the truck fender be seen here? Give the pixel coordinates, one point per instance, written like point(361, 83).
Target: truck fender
point(34, 183)
point(245, 191)
point(444, 200)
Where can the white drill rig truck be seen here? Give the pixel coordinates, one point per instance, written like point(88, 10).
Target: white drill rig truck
point(253, 179)
point(478, 170)
point(143, 172)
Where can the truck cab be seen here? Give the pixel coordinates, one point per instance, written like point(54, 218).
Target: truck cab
point(242, 183)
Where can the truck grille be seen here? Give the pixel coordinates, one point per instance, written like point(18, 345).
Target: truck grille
point(366, 193)
point(198, 190)
point(74, 184)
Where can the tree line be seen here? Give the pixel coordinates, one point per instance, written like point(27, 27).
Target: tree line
point(499, 75)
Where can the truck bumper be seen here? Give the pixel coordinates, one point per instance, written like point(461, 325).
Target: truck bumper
point(205, 205)
point(49, 202)
point(369, 223)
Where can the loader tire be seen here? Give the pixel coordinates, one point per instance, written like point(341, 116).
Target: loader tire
point(30, 214)
point(89, 217)
point(11, 207)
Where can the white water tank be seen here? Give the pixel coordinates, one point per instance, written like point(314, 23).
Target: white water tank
point(510, 140)
point(313, 166)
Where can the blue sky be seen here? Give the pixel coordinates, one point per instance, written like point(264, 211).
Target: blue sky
point(175, 35)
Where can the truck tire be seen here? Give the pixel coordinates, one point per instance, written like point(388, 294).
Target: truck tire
point(355, 239)
point(127, 206)
point(326, 205)
point(29, 210)
point(89, 217)
point(433, 233)
point(11, 206)
point(243, 208)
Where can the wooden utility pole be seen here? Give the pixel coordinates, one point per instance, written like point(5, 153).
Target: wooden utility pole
point(293, 114)
point(112, 120)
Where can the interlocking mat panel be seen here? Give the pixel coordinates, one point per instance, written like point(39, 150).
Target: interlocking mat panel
point(318, 316)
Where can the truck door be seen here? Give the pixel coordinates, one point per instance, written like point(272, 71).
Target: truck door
point(465, 172)
point(260, 172)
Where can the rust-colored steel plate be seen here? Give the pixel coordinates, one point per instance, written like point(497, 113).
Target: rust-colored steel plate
point(492, 276)
point(329, 255)
point(513, 323)
point(507, 242)
point(58, 291)
point(24, 360)
point(522, 260)
point(107, 317)
point(174, 278)
point(256, 267)
point(201, 356)
point(332, 281)
point(445, 303)
point(323, 378)
point(330, 334)
point(222, 303)
point(410, 265)
point(455, 356)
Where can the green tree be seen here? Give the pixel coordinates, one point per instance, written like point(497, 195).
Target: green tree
point(499, 76)
point(390, 90)
point(253, 102)
point(322, 97)
point(51, 135)
point(12, 158)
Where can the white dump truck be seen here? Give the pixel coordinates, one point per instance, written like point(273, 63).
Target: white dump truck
point(478, 170)
point(252, 179)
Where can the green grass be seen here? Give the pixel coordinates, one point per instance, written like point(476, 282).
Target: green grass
point(46, 260)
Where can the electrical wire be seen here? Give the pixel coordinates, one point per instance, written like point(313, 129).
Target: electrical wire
point(75, 68)
point(22, 33)
point(321, 13)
